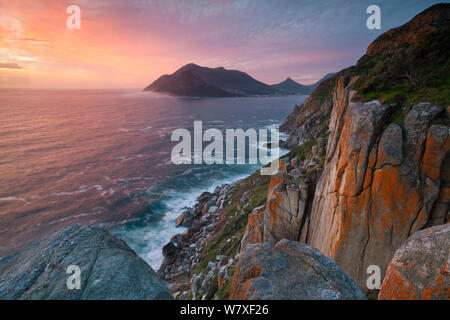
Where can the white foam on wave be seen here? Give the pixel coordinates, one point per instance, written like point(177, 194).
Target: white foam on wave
point(81, 189)
point(109, 192)
point(148, 241)
point(282, 135)
point(135, 130)
point(123, 159)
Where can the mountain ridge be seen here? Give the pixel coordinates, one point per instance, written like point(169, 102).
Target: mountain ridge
point(290, 86)
point(192, 80)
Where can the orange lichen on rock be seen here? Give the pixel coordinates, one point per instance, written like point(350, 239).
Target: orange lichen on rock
point(437, 147)
point(419, 268)
point(289, 270)
point(399, 288)
point(254, 232)
point(375, 192)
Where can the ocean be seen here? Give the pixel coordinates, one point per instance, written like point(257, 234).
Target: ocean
point(103, 157)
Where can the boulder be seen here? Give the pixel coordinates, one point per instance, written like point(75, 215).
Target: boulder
point(208, 205)
point(420, 268)
point(177, 240)
point(213, 209)
point(185, 219)
point(169, 250)
point(290, 270)
point(109, 269)
point(204, 196)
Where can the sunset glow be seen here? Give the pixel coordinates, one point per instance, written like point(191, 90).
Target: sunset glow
point(128, 44)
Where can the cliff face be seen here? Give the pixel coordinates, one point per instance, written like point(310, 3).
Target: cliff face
point(384, 174)
point(380, 182)
point(311, 119)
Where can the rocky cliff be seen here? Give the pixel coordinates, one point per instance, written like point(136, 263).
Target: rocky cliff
point(432, 19)
point(369, 169)
point(385, 172)
point(310, 120)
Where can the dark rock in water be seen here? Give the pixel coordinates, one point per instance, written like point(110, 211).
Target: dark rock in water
point(185, 219)
point(109, 269)
point(204, 196)
point(290, 270)
point(169, 250)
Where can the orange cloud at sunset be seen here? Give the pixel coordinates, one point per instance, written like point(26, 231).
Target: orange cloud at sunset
point(34, 36)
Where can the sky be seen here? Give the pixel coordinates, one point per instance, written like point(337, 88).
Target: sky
point(129, 44)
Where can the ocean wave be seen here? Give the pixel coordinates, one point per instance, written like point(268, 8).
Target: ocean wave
point(123, 159)
point(135, 130)
point(81, 189)
point(13, 199)
point(109, 192)
point(148, 241)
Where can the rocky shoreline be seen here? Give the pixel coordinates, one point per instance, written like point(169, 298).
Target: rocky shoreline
point(185, 252)
point(188, 269)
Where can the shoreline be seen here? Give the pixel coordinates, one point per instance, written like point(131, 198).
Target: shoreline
point(187, 254)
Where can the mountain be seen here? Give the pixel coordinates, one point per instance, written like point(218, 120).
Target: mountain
point(289, 86)
point(196, 81)
point(192, 80)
